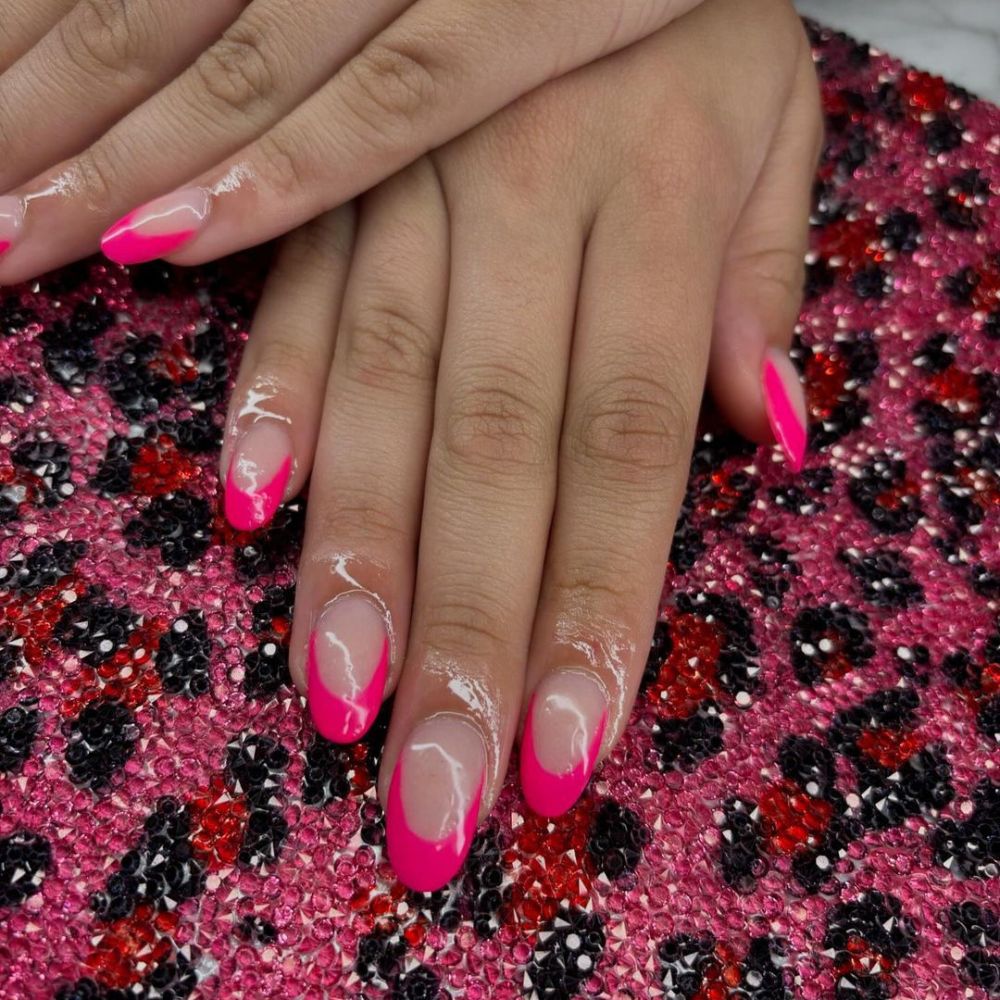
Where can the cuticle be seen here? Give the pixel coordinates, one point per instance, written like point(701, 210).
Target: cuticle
point(489, 765)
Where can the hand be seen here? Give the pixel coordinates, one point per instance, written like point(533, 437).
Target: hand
point(299, 106)
point(498, 435)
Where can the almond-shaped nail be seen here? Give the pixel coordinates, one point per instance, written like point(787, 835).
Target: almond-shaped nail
point(785, 402)
point(348, 665)
point(157, 228)
point(258, 474)
point(562, 738)
point(434, 800)
point(11, 221)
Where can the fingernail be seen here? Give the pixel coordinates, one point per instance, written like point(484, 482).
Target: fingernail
point(258, 475)
point(11, 221)
point(785, 402)
point(157, 228)
point(562, 738)
point(434, 800)
point(348, 666)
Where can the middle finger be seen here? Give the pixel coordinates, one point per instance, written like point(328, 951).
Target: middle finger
point(487, 506)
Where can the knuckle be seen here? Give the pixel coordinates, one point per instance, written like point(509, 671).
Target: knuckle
point(389, 84)
point(348, 515)
point(286, 360)
point(467, 620)
point(388, 347)
point(495, 423)
point(98, 36)
point(631, 429)
point(285, 167)
point(94, 175)
point(588, 584)
point(237, 72)
point(777, 268)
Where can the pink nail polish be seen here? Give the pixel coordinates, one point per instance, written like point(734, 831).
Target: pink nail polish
point(258, 475)
point(785, 402)
point(157, 228)
point(562, 738)
point(348, 665)
point(11, 221)
point(434, 801)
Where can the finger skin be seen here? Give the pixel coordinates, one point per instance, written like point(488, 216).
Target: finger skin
point(441, 67)
point(355, 583)
point(100, 61)
point(487, 504)
point(752, 381)
point(639, 356)
point(24, 23)
point(276, 403)
point(259, 70)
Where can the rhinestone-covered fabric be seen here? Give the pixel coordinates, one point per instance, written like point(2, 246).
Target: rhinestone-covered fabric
point(807, 802)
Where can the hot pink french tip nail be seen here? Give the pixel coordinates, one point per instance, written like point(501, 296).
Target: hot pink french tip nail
point(348, 665)
point(258, 474)
point(563, 732)
point(11, 221)
point(785, 403)
point(157, 228)
point(434, 799)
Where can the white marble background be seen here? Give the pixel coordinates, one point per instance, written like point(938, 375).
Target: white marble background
point(957, 39)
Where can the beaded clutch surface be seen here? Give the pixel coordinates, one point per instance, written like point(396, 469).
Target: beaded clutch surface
point(807, 802)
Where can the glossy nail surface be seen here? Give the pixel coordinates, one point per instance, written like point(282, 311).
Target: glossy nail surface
point(348, 665)
point(11, 221)
point(157, 228)
point(562, 738)
point(258, 475)
point(785, 402)
point(434, 800)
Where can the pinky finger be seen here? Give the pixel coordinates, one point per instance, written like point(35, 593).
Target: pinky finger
point(753, 382)
point(275, 408)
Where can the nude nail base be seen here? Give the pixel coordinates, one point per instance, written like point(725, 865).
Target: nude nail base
point(339, 719)
point(549, 793)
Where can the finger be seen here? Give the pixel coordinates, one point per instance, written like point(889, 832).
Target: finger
point(639, 356)
point(274, 56)
point(438, 69)
point(24, 22)
point(101, 60)
point(355, 583)
point(487, 505)
point(753, 381)
point(277, 400)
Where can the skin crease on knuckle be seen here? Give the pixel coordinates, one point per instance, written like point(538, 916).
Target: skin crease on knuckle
point(495, 428)
point(386, 348)
point(391, 86)
point(103, 36)
point(237, 71)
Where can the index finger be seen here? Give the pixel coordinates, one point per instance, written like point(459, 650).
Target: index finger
point(439, 69)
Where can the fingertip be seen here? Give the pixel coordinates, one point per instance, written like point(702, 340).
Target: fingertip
point(785, 405)
point(158, 228)
point(563, 733)
point(258, 476)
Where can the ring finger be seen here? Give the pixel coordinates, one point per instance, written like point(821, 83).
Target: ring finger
point(639, 358)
